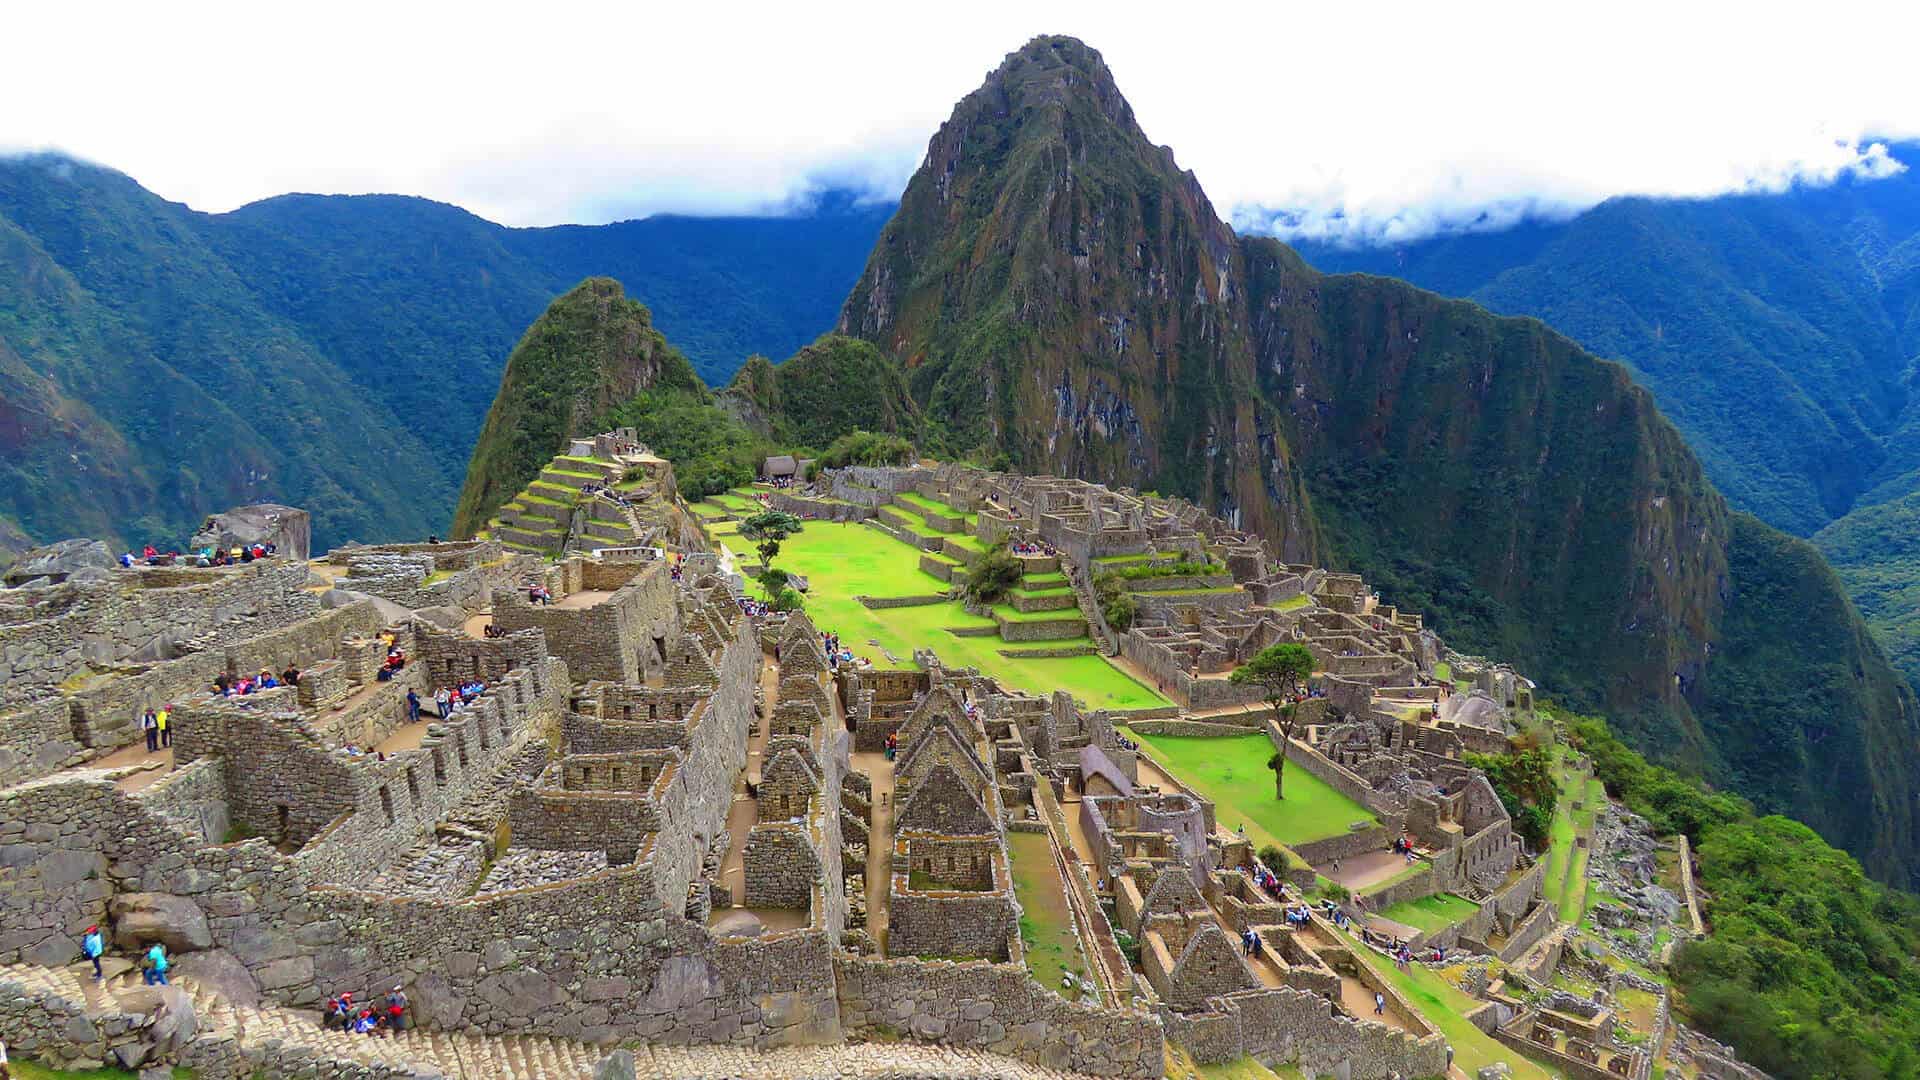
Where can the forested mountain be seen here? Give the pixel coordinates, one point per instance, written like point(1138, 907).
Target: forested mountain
point(1059, 292)
point(1780, 332)
point(339, 353)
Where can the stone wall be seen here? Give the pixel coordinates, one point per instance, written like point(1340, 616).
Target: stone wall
point(56, 634)
point(622, 639)
point(780, 867)
point(1281, 1024)
point(996, 1008)
point(950, 924)
point(36, 739)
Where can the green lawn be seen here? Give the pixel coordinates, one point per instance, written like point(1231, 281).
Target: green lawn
point(1232, 771)
point(1431, 913)
point(841, 561)
point(1046, 929)
point(1566, 878)
point(936, 506)
point(1446, 1006)
point(1298, 600)
point(27, 1070)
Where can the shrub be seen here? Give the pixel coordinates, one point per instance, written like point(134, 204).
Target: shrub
point(993, 574)
point(1275, 857)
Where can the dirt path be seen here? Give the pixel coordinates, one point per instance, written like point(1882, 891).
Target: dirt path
point(879, 841)
point(585, 598)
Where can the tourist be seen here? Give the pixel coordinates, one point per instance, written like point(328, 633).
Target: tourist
point(440, 700)
point(150, 724)
point(163, 719)
point(222, 683)
point(1379, 1003)
point(397, 1009)
point(92, 946)
point(291, 676)
point(154, 970)
point(365, 1023)
point(341, 1009)
point(413, 707)
point(5, 1074)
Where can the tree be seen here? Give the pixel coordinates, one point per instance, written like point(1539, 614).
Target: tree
point(993, 574)
point(1279, 671)
point(1116, 603)
point(766, 529)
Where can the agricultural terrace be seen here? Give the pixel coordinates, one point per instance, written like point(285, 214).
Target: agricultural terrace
point(1431, 913)
point(1046, 929)
point(1566, 880)
point(843, 561)
point(1232, 771)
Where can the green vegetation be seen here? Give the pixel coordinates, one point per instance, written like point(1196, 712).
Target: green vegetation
point(1445, 1006)
point(1525, 781)
point(1279, 671)
point(710, 451)
point(28, 1070)
point(828, 391)
point(1177, 569)
point(865, 448)
point(1046, 928)
point(1232, 771)
point(1566, 875)
point(590, 353)
point(841, 561)
point(1117, 605)
point(993, 575)
point(1812, 969)
point(1431, 913)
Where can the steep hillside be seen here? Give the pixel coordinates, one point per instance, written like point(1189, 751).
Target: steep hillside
point(1779, 331)
point(1057, 290)
point(1060, 292)
point(592, 351)
point(831, 387)
point(159, 350)
point(338, 352)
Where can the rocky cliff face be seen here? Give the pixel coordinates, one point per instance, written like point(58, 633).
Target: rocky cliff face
point(1057, 290)
point(593, 351)
point(1060, 292)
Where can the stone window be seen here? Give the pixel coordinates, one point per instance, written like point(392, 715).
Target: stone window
point(460, 747)
point(614, 779)
point(439, 768)
point(413, 786)
point(386, 804)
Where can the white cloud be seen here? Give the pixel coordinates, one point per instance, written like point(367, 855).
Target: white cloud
point(1380, 120)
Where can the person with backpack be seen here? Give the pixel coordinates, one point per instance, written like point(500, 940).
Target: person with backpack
point(150, 726)
point(154, 971)
point(92, 945)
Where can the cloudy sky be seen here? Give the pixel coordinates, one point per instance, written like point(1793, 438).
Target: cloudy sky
point(1381, 120)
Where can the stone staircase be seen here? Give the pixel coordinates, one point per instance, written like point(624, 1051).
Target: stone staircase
point(461, 1055)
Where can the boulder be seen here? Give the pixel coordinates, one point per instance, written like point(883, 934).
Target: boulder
point(447, 618)
point(290, 531)
point(615, 1066)
point(56, 562)
point(222, 972)
point(389, 611)
point(140, 919)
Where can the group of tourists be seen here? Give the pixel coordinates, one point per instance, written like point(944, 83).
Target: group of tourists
point(353, 1018)
point(206, 556)
point(1033, 548)
point(1268, 881)
point(538, 593)
point(783, 482)
point(451, 699)
point(1403, 845)
point(157, 726)
point(606, 491)
point(893, 744)
point(1251, 939)
point(396, 659)
point(228, 686)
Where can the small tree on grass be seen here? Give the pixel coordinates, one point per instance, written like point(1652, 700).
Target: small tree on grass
point(1275, 857)
point(993, 574)
point(1116, 603)
point(1279, 671)
point(766, 529)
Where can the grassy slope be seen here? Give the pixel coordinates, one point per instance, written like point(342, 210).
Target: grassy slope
point(1431, 913)
point(1232, 771)
point(842, 561)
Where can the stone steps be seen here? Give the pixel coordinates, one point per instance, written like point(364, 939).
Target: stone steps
point(463, 1055)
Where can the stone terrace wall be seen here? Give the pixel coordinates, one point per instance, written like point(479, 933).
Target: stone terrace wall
point(1284, 1024)
point(997, 1008)
point(75, 628)
point(613, 640)
point(36, 739)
